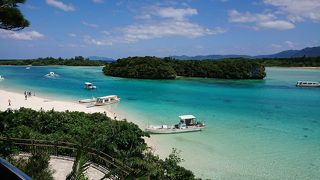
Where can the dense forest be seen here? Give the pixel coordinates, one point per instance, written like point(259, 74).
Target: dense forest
point(167, 68)
point(291, 62)
point(76, 61)
point(120, 139)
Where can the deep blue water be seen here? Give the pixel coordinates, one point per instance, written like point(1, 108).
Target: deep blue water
point(258, 129)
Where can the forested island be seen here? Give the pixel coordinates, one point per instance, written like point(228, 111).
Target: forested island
point(291, 62)
point(120, 139)
point(150, 67)
point(76, 61)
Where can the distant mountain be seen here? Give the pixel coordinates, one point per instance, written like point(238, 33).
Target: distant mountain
point(308, 52)
point(100, 58)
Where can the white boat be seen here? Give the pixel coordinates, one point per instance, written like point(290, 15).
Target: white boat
point(100, 101)
point(88, 100)
point(51, 74)
point(1, 78)
point(27, 67)
point(89, 85)
point(188, 123)
point(308, 84)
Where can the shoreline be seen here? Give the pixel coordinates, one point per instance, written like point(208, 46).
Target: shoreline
point(312, 68)
point(40, 102)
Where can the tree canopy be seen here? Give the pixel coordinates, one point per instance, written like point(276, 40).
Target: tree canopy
point(11, 17)
point(168, 68)
point(120, 139)
point(76, 61)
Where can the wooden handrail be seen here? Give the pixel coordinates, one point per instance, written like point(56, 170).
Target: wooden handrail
point(71, 146)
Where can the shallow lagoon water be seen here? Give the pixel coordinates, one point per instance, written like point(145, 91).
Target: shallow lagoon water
point(258, 129)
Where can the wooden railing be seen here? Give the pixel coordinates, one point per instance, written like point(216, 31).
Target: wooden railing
point(69, 149)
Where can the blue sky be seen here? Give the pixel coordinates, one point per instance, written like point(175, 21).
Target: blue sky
point(110, 28)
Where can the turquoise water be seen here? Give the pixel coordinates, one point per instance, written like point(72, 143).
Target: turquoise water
point(260, 129)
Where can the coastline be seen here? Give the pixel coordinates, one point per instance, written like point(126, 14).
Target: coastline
point(49, 103)
point(312, 68)
point(39, 102)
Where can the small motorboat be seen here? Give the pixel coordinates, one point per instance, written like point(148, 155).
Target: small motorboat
point(188, 123)
point(308, 84)
point(89, 85)
point(1, 78)
point(105, 100)
point(51, 74)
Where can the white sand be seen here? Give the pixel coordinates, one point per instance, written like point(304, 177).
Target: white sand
point(36, 103)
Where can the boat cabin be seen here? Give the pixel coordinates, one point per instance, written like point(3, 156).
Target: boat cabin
point(188, 120)
point(106, 100)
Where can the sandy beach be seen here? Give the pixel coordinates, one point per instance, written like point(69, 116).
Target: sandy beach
point(34, 102)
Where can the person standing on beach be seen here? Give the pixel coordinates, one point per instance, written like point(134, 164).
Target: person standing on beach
point(9, 102)
point(25, 97)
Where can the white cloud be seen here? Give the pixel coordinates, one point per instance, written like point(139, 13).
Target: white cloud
point(89, 24)
point(72, 35)
point(29, 35)
point(143, 17)
point(167, 12)
point(60, 5)
point(98, 1)
point(169, 22)
point(178, 14)
point(266, 20)
point(100, 42)
point(277, 24)
point(290, 44)
point(298, 10)
point(276, 46)
point(135, 33)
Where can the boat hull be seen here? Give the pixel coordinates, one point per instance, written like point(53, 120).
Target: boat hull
point(172, 130)
point(87, 100)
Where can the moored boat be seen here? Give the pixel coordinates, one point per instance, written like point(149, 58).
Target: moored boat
point(51, 74)
point(308, 84)
point(89, 85)
point(105, 100)
point(1, 78)
point(188, 123)
point(100, 101)
point(88, 100)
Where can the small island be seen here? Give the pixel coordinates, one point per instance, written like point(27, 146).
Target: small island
point(150, 67)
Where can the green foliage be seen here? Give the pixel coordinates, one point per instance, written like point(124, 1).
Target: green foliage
point(120, 139)
point(80, 165)
point(143, 68)
point(37, 166)
point(167, 68)
point(76, 61)
point(165, 169)
point(10, 16)
point(292, 62)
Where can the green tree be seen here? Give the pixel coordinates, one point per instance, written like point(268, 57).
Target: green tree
point(36, 166)
point(80, 165)
point(11, 17)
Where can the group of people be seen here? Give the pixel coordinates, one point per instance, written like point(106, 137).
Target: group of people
point(28, 94)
